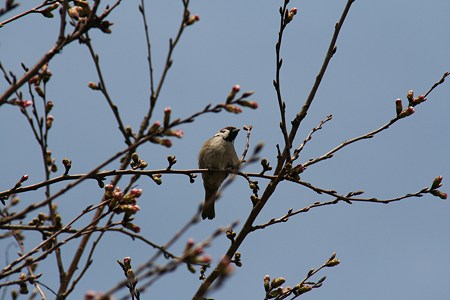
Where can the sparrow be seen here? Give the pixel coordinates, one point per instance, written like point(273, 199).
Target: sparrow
point(217, 153)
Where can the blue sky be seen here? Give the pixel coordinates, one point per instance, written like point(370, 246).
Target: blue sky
point(395, 251)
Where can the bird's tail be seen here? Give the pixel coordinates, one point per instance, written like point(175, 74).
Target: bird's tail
point(208, 206)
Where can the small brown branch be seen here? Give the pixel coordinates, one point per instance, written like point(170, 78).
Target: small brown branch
point(104, 90)
point(247, 142)
point(154, 93)
point(276, 82)
point(149, 47)
point(309, 137)
point(23, 14)
point(61, 42)
point(441, 81)
point(304, 111)
point(338, 198)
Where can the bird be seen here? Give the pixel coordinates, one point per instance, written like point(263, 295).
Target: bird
point(217, 153)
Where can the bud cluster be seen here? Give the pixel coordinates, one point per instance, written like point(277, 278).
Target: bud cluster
point(234, 106)
point(137, 163)
point(129, 273)
point(412, 101)
point(195, 255)
point(289, 15)
point(275, 289)
point(47, 12)
point(437, 183)
point(50, 162)
point(126, 204)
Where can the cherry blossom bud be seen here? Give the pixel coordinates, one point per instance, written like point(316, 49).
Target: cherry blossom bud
point(410, 96)
point(419, 99)
point(303, 289)
point(436, 183)
point(133, 227)
point(157, 179)
point(109, 187)
point(233, 108)
point(251, 104)
point(167, 112)
point(267, 283)
point(136, 192)
point(49, 121)
point(407, 112)
point(94, 86)
point(155, 127)
point(205, 259)
point(234, 90)
point(166, 142)
point(49, 106)
point(290, 15)
point(439, 194)
point(24, 178)
point(192, 19)
point(276, 282)
point(190, 243)
point(332, 262)
point(398, 106)
point(39, 91)
point(90, 295)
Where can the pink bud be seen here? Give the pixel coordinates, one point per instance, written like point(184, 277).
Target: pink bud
point(166, 142)
point(109, 187)
point(205, 259)
point(179, 133)
point(294, 10)
point(90, 295)
point(437, 182)
point(199, 250)
point(136, 192)
point(24, 178)
point(236, 88)
point(23, 103)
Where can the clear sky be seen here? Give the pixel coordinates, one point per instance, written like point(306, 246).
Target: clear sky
point(395, 251)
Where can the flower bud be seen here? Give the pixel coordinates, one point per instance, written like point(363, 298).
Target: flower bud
point(192, 19)
point(167, 112)
point(407, 112)
point(233, 108)
point(136, 192)
point(234, 90)
point(39, 91)
point(439, 194)
point(49, 121)
point(245, 103)
point(166, 143)
point(303, 288)
point(157, 179)
point(94, 86)
point(436, 183)
point(267, 283)
point(276, 282)
point(419, 99)
point(49, 106)
point(332, 262)
point(398, 106)
point(290, 15)
point(410, 96)
point(155, 127)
